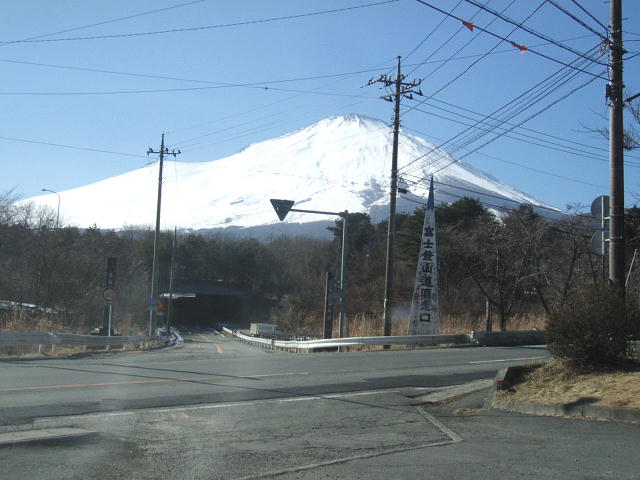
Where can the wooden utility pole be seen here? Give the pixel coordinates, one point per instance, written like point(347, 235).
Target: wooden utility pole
point(401, 89)
point(616, 150)
point(154, 266)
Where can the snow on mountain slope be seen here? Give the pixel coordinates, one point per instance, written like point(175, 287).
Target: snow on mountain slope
point(335, 164)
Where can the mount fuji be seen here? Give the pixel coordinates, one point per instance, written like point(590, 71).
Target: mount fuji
point(339, 163)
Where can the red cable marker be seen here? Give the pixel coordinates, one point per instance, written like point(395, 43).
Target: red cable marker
point(469, 25)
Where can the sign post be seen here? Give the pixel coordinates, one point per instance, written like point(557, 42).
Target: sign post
point(109, 294)
point(283, 207)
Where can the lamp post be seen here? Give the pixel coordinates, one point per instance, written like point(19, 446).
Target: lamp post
point(283, 207)
point(58, 214)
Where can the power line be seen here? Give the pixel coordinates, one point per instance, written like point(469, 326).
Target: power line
point(489, 52)
point(183, 89)
point(532, 31)
point(206, 27)
point(526, 120)
point(528, 129)
point(429, 35)
point(119, 19)
point(259, 84)
point(513, 101)
point(537, 170)
point(577, 20)
point(550, 145)
point(606, 29)
point(490, 195)
point(460, 144)
point(74, 147)
point(444, 19)
point(466, 70)
point(521, 47)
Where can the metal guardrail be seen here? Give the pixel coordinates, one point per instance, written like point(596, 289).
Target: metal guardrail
point(49, 338)
point(297, 345)
point(510, 338)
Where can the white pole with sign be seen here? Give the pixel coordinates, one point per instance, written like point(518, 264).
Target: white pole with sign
point(109, 295)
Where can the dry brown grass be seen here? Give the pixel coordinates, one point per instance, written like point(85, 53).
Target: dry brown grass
point(555, 382)
point(361, 325)
point(25, 321)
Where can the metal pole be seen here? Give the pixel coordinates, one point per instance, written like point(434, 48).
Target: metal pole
point(156, 252)
point(616, 150)
point(327, 327)
point(109, 326)
point(391, 229)
point(173, 254)
point(343, 270)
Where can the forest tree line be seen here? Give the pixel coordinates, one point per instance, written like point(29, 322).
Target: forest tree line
point(518, 262)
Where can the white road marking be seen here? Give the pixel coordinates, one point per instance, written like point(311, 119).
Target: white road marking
point(274, 374)
point(231, 404)
point(507, 360)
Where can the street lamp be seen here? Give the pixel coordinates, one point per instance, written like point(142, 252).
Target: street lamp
point(58, 214)
point(283, 207)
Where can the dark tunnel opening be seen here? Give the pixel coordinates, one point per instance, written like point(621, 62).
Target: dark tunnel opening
point(205, 310)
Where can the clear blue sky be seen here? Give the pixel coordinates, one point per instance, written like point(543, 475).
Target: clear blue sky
point(43, 102)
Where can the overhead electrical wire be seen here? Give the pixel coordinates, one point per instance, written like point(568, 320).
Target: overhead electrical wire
point(74, 147)
point(519, 165)
point(577, 20)
point(183, 89)
point(113, 20)
point(444, 19)
point(491, 195)
point(258, 84)
point(514, 101)
point(529, 139)
point(535, 52)
point(534, 100)
point(205, 27)
point(546, 134)
point(532, 31)
point(575, 2)
point(526, 120)
point(493, 123)
point(474, 63)
point(434, 30)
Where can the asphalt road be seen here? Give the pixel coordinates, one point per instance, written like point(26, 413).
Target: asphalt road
point(213, 408)
point(210, 368)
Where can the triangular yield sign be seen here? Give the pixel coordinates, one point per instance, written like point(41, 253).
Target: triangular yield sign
point(282, 207)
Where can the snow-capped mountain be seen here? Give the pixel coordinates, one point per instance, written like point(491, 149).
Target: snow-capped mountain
point(339, 163)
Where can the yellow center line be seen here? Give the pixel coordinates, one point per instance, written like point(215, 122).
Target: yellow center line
point(217, 345)
point(206, 339)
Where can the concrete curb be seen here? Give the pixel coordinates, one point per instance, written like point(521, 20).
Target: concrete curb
point(452, 392)
point(504, 379)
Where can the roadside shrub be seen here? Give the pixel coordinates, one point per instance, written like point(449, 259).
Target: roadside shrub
point(593, 328)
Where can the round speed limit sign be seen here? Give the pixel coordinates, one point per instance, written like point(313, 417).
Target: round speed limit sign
point(108, 295)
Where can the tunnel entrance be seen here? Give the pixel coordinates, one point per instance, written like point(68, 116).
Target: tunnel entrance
point(206, 310)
